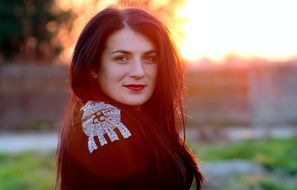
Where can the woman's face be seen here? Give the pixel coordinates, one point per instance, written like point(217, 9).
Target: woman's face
point(128, 69)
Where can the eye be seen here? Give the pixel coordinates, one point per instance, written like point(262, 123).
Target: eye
point(121, 59)
point(150, 59)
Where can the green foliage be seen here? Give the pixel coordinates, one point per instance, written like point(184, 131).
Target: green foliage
point(32, 171)
point(25, 29)
point(272, 153)
point(38, 125)
point(36, 170)
point(266, 182)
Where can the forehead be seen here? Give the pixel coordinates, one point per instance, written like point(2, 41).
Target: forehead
point(128, 40)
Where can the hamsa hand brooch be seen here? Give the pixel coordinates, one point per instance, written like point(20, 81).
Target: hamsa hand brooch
point(99, 119)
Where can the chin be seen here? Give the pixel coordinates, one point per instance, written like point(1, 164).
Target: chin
point(135, 101)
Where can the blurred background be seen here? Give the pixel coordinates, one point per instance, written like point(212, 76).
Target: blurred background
point(241, 86)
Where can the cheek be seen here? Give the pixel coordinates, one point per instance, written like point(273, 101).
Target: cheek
point(152, 72)
point(105, 78)
point(112, 74)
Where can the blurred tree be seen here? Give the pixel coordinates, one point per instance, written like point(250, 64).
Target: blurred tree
point(166, 10)
point(35, 30)
point(27, 28)
point(83, 10)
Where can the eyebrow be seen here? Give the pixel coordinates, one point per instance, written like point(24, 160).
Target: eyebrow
point(128, 52)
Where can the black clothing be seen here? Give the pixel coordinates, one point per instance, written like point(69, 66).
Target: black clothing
point(127, 163)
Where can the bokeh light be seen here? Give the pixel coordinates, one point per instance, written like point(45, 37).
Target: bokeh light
point(210, 29)
point(217, 29)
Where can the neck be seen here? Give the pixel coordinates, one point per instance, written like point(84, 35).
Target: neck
point(138, 108)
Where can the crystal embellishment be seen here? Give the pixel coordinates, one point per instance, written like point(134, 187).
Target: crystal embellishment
point(99, 119)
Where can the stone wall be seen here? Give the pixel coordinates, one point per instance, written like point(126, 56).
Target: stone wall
point(217, 96)
point(34, 96)
point(259, 94)
point(273, 94)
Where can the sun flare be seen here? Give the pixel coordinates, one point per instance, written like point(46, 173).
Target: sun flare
point(215, 29)
point(212, 29)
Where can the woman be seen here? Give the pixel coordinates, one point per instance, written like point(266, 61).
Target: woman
point(124, 128)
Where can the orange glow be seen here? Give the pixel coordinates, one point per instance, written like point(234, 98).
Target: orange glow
point(85, 9)
point(216, 29)
point(211, 29)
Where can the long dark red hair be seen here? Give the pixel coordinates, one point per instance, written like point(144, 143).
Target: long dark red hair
point(165, 105)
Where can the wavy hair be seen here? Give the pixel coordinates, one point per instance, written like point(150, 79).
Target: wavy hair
point(165, 105)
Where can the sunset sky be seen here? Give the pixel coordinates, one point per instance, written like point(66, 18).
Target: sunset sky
point(262, 28)
point(215, 29)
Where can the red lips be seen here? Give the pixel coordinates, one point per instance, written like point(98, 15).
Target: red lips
point(135, 87)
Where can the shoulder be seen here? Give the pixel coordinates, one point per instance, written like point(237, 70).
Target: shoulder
point(108, 144)
point(102, 120)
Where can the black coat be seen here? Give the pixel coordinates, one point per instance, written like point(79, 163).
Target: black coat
point(126, 163)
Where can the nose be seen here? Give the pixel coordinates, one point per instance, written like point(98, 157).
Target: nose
point(137, 70)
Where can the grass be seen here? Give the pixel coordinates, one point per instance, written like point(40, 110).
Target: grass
point(273, 154)
point(267, 182)
point(278, 156)
point(28, 170)
point(36, 170)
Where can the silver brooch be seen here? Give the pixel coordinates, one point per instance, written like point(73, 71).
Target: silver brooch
point(99, 119)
